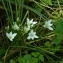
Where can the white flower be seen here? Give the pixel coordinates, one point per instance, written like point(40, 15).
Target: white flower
point(32, 35)
point(30, 22)
point(26, 29)
point(11, 36)
point(7, 28)
point(17, 18)
point(48, 25)
point(15, 26)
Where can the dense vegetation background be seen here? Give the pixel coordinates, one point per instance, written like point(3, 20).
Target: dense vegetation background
point(47, 44)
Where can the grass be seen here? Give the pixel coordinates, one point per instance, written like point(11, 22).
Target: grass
point(47, 48)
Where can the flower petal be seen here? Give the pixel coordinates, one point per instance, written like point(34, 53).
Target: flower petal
point(14, 34)
point(50, 28)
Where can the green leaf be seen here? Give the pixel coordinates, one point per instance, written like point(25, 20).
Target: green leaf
point(34, 60)
point(57, 40)
point(48, 2)
point(12, 61)
point(35, 54)
point(59, 26)
point(0, 62)
point(41, 57)
point(28, 61)
point(21, 60)
point(27, 57)
point(58, 31)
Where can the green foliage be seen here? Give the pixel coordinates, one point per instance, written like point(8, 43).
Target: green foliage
point(30, 8)
point(58, 31)
point(0, 62)
point(51, 47)
point(59, 25)
point(27, 57)
point(48, 2)
point(37, 7)
point(34, 60)
point(2, 51)
point(38, 50)
point(11, 61)
point(21, 60)
point(61, 62)
point(35, 54)
point(31, 58)
point(41, 57)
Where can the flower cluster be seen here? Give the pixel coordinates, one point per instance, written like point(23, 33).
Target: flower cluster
point(27, 29)
point(30, 24)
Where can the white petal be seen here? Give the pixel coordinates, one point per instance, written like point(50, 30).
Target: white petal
point(36, 36)
point(28, 37)
point(34, 22)
point(26, 29)
point(14, 34)
point(50, 28)
point(31, 21)
point(11, 39)
point(7, 35)
point(10, 33)
point(49, 21)
point(32, 38)
point(50, 24)
point(28, 19)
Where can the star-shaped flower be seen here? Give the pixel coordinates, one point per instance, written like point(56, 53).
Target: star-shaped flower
point(32, 35)
point(15, 26)
point(11, 36)
point(7, 28)
point(30, 22)
point(48, 25)
point(26, 29)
